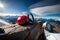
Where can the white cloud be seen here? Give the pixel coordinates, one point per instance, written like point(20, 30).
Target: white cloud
point(13, 14)
point(56, 18)
point(45, 3)
point(9, 14)
point(47, 9)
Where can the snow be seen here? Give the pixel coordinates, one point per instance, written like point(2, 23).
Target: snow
point(2, 22)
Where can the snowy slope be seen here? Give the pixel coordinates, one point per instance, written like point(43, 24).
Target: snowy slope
point(2, 22)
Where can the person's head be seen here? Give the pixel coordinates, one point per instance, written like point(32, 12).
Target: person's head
point(22, 20)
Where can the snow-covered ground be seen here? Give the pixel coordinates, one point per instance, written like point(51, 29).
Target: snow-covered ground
point(52, 36)
point(2, 22)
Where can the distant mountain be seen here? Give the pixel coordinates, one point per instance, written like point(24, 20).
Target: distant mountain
point(52, 20)
point(49, 20)
point(13, 19)
point(10, 19)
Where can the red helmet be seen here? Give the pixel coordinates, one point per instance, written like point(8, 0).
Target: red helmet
point(22, 20)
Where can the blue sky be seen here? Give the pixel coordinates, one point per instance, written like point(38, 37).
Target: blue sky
point(18, 6)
